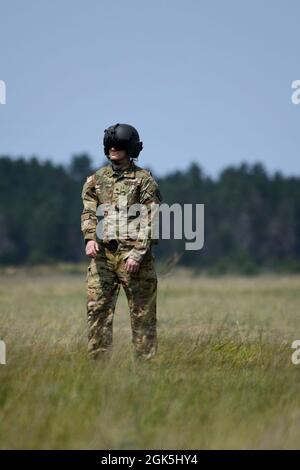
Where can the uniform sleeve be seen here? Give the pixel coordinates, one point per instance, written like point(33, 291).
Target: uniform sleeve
point(88, 217)
point(151, 198)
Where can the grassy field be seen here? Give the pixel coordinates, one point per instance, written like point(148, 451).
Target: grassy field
point(223, 377)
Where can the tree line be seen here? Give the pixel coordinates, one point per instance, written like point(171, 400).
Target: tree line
point(252, 218)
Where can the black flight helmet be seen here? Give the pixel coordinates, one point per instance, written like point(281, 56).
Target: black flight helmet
point(122, 137)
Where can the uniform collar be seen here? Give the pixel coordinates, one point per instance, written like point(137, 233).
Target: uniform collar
point(127, 173)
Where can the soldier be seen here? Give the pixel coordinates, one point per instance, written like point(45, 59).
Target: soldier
point(119, 258)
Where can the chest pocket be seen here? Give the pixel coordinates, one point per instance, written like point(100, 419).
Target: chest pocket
point(131, 189)
point(104, 191)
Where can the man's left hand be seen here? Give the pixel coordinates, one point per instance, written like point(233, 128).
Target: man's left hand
point(131, 265)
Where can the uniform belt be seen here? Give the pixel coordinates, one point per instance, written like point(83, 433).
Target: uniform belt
point(112, 245)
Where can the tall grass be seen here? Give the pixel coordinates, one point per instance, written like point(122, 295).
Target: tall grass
point(222, 378)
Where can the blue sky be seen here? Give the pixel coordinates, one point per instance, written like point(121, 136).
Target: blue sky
point(206, 81)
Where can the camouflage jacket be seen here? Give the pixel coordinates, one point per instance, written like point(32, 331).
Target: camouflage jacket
point(107, 186)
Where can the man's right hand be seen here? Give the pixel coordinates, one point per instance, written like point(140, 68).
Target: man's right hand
point(91, 249)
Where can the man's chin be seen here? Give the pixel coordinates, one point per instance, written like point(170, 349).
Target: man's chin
point(116, 159)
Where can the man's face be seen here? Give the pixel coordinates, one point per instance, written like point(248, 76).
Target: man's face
point(117, 155)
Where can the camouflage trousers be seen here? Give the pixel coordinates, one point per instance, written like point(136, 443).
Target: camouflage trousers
point(105, 274)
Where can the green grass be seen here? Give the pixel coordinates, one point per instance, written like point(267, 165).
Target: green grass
point(223, 376)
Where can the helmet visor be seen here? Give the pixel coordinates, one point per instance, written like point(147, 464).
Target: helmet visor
point(117, 145)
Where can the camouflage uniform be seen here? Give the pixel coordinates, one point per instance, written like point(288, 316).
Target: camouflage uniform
point(107, 271)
